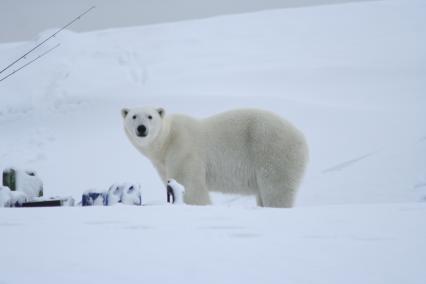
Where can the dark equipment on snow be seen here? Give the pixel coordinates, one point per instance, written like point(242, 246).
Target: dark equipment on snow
point(44, 203)
point(51, 202)
point(9, 179)
point(170, 195)
point(91, 198)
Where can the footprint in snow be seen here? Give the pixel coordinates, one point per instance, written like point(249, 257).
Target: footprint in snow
point(131, 61)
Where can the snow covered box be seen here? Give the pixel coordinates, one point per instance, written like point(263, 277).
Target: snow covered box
point(25, 181)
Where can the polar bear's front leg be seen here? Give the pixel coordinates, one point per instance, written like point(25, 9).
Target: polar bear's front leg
point(191, 174)
point(196, 192)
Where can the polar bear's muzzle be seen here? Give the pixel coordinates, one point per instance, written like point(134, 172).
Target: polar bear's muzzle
point(141, 131)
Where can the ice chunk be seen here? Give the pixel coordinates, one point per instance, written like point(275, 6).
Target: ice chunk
point(5, 197)
point(93, 197)
point(175, 192)
point(114, 194)
point(131, 194)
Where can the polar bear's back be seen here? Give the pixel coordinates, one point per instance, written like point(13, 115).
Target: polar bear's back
point(248, 128)
point(243, 143)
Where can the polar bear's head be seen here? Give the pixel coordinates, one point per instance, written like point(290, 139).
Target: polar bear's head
point(142, 125)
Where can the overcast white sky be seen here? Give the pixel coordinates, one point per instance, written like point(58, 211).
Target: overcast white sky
point(24, 19)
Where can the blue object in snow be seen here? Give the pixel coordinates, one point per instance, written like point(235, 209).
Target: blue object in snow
point(125, 193)
point(91, 197)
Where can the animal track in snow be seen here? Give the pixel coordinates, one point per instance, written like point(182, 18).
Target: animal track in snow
point(132, 61)
point(39, 140)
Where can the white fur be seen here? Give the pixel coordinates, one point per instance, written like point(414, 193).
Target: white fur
point(245, 151)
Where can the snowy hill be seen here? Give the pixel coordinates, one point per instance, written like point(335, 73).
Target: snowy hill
point(29, 14)
point(351, 77)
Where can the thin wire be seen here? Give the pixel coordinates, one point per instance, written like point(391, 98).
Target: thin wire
point(53, 35)
point(28, 63)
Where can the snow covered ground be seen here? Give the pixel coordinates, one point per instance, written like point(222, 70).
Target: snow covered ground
point(351, 77)
point(175, 244)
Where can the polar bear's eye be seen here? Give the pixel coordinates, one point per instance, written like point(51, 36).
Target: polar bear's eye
point(134, 117)
point(149, 116)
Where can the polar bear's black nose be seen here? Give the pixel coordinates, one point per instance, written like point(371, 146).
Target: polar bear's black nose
point(141, 130)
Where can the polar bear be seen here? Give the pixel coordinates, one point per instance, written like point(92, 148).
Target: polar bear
point(245, 151)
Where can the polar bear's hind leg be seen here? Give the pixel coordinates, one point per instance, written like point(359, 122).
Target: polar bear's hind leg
point(275, 191)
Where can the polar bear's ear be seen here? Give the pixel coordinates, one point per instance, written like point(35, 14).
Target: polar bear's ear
point(161, 111)
point(124, 112)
